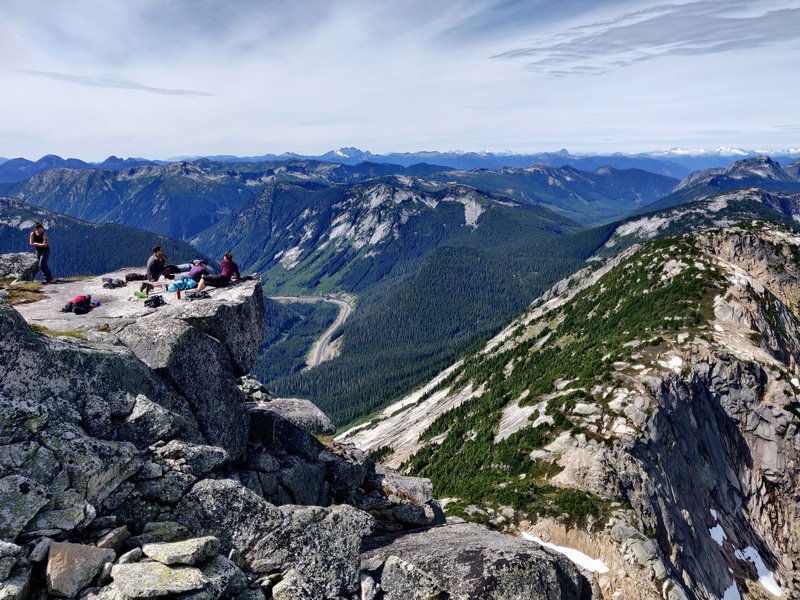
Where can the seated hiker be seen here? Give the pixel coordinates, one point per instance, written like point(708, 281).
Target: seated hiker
point(157, 266)
point(229, 271)
point(80, 305)
point(199, 268)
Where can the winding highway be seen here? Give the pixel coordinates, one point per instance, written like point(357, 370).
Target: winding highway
point(318, 351)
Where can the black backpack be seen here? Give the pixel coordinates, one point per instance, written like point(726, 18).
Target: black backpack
point(154, 301)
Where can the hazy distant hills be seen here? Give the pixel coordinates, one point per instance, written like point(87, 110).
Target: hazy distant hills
point(81, 248)
point(179, 199)
point(676, 162)
point(17, 169)
point(478, 160)
point(588, 197)
point(185, 199)
point(757, 172)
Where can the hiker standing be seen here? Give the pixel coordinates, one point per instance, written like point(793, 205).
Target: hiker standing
point(38, 240)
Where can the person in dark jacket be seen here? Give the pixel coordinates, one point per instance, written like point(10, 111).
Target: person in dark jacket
point(38, 240)
point(229, 271)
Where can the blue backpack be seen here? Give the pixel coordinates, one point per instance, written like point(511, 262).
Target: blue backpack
point(181, 284)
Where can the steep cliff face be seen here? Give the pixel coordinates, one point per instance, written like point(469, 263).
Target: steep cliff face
point(137, 460)
point(644, 412)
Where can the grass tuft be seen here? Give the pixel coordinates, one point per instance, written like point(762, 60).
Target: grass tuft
point(73, 333)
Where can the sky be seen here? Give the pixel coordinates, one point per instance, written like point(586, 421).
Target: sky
point(162, 79)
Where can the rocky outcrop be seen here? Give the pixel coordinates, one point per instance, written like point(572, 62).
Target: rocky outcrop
point(304, 414)
point(466, 561)
point(132, 464)
point(20, 266)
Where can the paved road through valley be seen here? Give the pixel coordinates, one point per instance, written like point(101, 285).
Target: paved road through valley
point(320, 347)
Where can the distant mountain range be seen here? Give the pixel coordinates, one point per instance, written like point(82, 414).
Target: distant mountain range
point(17, 169)
point(185, 199)
point(350, 237)
point(677, 162)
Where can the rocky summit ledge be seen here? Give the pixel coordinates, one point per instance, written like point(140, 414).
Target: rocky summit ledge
point(142, 462)
point(233, 315)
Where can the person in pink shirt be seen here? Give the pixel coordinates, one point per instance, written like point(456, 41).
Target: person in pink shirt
point(229, 271)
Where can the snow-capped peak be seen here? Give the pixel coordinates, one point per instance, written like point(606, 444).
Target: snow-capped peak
point(719, 150)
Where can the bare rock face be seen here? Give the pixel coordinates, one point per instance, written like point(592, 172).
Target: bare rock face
point(153, 580)
point(466, 561)
point(321, 544)
point(188, 552)
point(198, 366)
point(71, 567)
point(21, 266)
point(302, 413)
point(230, 320)
point(229, 511)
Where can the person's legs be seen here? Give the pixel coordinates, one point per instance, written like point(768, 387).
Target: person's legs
point(216, 281)
point(43, 257)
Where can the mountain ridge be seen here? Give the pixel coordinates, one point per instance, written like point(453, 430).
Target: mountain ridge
point(635, 407)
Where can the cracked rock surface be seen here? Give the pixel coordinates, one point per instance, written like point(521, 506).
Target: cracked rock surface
point(139, 460)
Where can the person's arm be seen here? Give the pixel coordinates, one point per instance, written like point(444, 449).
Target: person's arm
point(45, 242)
point(30, 240)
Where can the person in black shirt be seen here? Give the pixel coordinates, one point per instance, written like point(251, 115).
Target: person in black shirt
point(157, 266)
point(38, 240)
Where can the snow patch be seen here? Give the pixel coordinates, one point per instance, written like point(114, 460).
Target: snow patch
point(795, 382)
point(672, 268)
point(717, 204)
point(675, 363)
point(765, 577)
point(595, 565)
point(717, 534)
point(718, 327)
point(732, 593)
point(647, 227)
point(291, 257)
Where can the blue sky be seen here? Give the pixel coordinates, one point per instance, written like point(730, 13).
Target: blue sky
point(185, 77)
